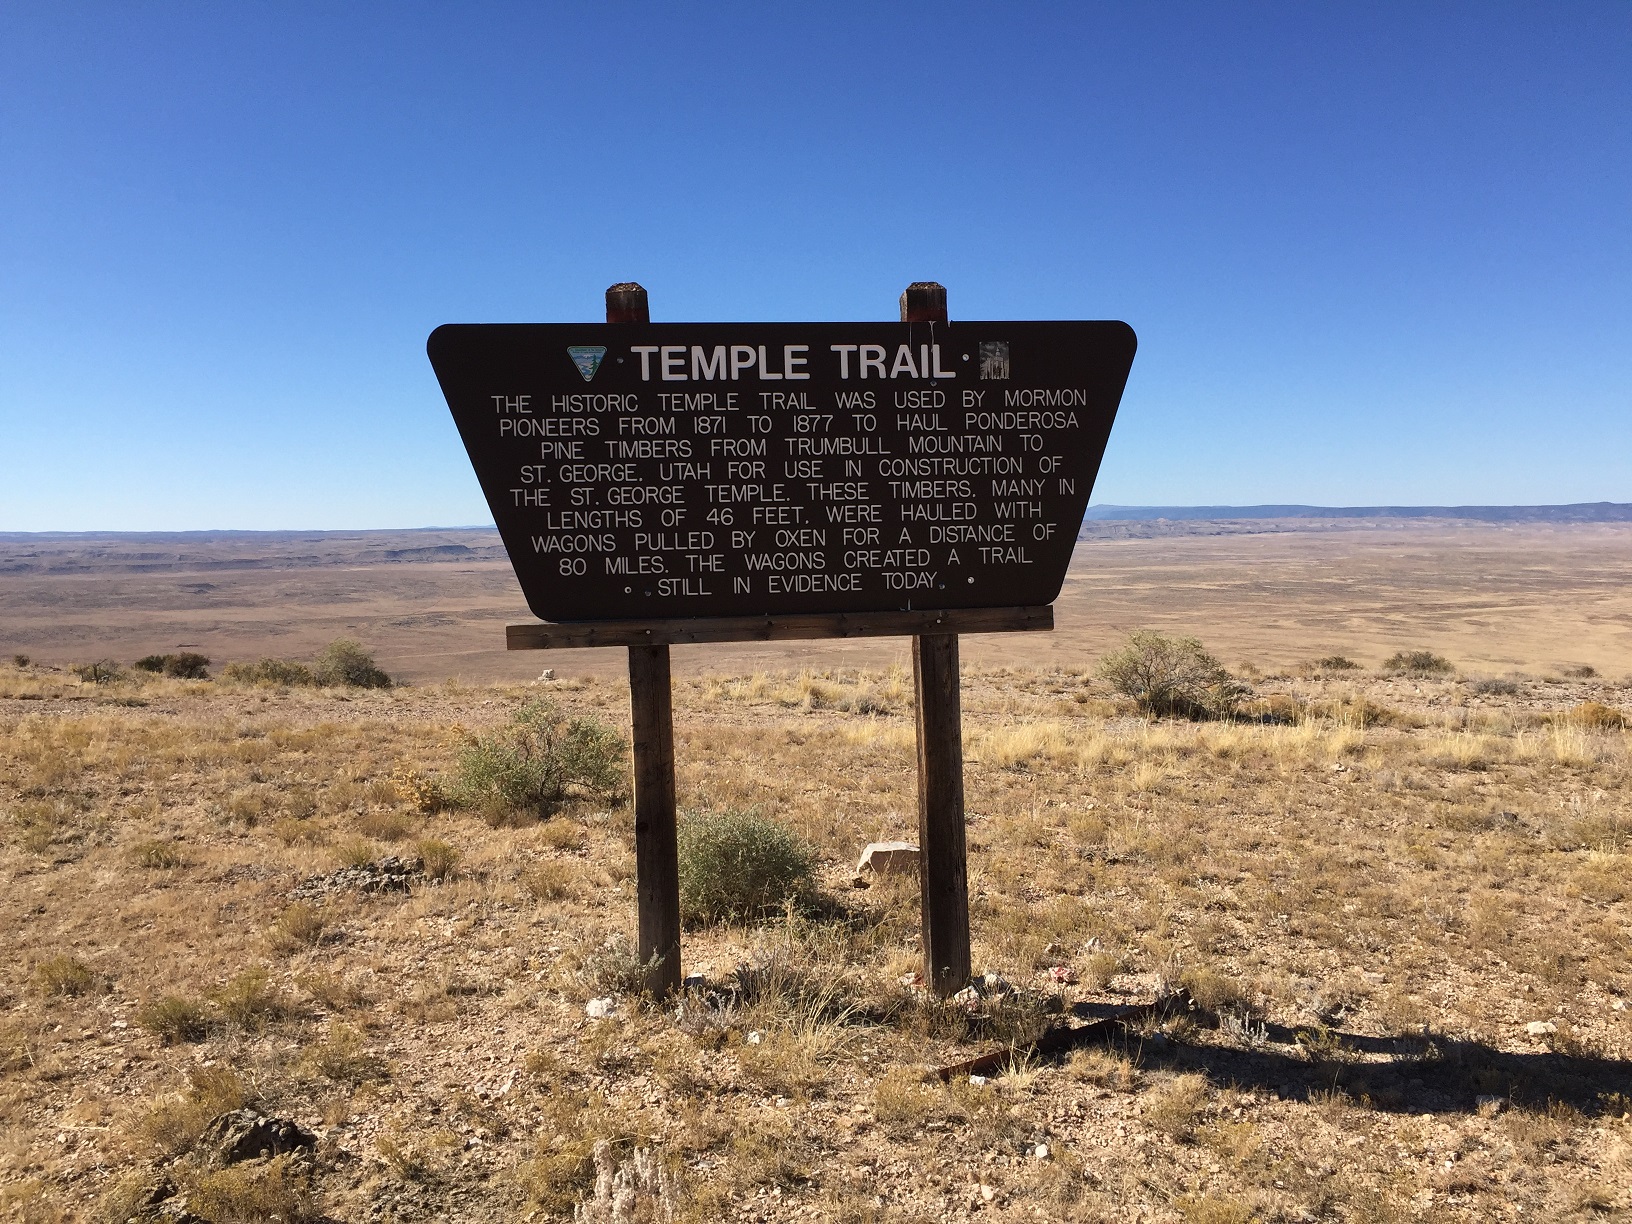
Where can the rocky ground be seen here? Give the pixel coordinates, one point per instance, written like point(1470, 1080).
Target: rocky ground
point(1361, 954)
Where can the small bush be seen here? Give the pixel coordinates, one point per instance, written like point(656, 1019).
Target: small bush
point(253, 1192)
point(299, 926)
point(903, 1101)
point(613, 968)
point(342, 1059)
point(64, 975)
point(344, 663)
point(1101, 967)
point(173, 1019)
point(523, 769)
point(1104, 1068)
point(184, 666)
point(437, 859)
point(332, 991)
point(1212, 991)
point(1418, 663)
point(175, 1123)
point(104, 671)
point(1337, 663)
point(284, 672)
point(16, 1046)
point(1361, 712)
point(739, 865)
point(1596, 715)
point(251, 1000)
point(1495, 688)
point(421, 792)
point(1585, 671)
point(355, 852)
point(384, 826)
point(549, 880)
point(1174, 1107)
point(1172, 676)
point(20, 661)
point(158, 854)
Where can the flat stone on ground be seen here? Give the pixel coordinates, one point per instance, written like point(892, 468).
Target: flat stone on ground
point(888, 858)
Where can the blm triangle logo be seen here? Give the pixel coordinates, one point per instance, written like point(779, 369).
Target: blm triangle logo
point(587, 357)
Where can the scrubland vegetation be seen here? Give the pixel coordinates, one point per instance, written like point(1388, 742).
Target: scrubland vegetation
point(1385, 913)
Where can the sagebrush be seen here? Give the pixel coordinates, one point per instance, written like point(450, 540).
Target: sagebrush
point(741, 865)
point(1172, 676)
point(523, 770)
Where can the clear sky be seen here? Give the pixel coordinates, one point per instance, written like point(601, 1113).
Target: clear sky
point(1375, 253)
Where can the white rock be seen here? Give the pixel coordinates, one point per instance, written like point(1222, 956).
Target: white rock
point(755, 1037)
point(889, 858)
point(978, 1081)
point(1040, 1152)
point(547, 674)
point(1540, 1028)
point(600, 1009)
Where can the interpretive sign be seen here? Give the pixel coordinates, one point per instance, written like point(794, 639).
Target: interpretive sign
point(724, 469)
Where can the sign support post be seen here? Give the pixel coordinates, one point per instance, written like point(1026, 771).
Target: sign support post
point(943, 874)
point(651, 722)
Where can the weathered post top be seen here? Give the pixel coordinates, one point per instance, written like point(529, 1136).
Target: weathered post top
point(626, 303)
point(923, 302)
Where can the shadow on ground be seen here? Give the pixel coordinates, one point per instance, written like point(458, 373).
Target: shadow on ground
point(1412, 1073)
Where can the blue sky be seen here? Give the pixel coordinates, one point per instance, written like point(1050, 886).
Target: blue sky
point(1375, 253)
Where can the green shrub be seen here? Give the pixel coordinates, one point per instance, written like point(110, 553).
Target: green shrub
point(740, 865)
point(524, 768)
point(268, 671)
point(344, 663)
point(1418, 663)
point(184, 666)
point(1172, 676)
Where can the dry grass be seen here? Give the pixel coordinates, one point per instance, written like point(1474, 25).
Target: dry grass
point(1367, 896)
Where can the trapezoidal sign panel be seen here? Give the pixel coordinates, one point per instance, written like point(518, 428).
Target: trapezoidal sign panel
point(726, 469)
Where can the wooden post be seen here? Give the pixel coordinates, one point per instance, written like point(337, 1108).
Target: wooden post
point(943, 873)
point(651, 719)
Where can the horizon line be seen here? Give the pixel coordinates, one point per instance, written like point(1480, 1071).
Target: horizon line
point(1589, 511)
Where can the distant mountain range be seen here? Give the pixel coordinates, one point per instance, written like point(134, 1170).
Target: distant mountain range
point(1578, 512)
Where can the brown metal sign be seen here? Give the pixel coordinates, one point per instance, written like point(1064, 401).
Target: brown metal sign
point(725, 469)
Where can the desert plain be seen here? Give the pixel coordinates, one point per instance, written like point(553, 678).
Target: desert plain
point(1358, 953)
